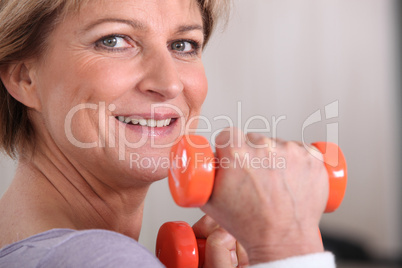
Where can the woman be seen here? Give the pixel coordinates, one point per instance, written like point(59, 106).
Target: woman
point(88, 84)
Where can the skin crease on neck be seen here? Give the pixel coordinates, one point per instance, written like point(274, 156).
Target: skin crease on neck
point(127, 56)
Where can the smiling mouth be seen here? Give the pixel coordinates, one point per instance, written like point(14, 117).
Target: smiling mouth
point(146, 122)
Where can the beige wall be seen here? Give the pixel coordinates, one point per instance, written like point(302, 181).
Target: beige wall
point(289, 59)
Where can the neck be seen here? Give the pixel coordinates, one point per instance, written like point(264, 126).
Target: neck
point(54, 193)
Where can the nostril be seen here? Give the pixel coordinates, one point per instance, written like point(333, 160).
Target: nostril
point(165, 92)
point(161, 77)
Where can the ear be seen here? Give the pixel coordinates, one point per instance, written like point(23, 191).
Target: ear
point(19, 80)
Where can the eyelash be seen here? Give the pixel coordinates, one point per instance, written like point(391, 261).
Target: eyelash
point(196, 46)
point(99, 43)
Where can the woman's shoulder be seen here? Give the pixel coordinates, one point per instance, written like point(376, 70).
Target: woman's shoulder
point(70, 248)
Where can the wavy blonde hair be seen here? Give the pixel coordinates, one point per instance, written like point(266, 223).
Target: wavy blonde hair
point(24, 27)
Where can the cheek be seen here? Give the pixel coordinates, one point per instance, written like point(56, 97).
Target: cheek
point(82, 78)
point(71, 89)
point(98, 79)
point(195, 89)
point(195, 92)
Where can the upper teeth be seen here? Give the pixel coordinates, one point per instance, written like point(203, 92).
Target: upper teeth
point(145, 122)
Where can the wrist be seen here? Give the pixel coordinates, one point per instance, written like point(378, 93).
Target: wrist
point(315, 260)
point(279, 247)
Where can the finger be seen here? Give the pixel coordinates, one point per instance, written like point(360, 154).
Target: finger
point(229, 145)
point(204, 227)
point(228, 141)
point(229, 137)
point(315, 152)
point(220, 250)
point(242, 257)
point(257, 140)
point(310, 149)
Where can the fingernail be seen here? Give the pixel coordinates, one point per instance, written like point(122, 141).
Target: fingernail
point(234, 258)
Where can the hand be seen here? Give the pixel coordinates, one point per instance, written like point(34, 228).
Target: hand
point(222, 249)
point(273, 212)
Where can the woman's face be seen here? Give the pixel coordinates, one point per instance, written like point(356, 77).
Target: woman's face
point(119, 82)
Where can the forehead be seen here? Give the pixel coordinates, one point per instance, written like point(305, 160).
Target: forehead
point(147, 13)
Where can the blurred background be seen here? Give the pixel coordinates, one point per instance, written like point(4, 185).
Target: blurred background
point(287, 60)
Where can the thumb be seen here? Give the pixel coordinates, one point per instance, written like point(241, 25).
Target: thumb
point(220, 250)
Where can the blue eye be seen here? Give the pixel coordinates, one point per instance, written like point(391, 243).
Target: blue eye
point(186, 46)
point(110, 41)
point(113, 42)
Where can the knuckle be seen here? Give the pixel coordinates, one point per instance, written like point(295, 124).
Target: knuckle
point(229, 137)
point(294, 147)
point(255, 138)
point(223, 137)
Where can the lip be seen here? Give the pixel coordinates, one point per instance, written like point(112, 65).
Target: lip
point(153, 131)
point(155, 116)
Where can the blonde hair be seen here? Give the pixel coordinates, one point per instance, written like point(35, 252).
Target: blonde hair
point(24, 27)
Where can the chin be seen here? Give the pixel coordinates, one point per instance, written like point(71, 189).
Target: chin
point(153, 174)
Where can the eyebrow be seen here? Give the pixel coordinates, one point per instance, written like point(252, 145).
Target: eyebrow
point(140, 26)
point(189, 28)
point(133, 23)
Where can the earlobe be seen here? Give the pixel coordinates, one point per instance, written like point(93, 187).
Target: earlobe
point(20, 83)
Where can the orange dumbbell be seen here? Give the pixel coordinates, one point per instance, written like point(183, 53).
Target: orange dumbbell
point(177, 246)
point(191, 179)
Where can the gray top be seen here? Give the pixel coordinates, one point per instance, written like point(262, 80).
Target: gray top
point(70, 248)
point(100, 249)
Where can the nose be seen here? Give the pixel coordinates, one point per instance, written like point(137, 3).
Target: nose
point(160, 78)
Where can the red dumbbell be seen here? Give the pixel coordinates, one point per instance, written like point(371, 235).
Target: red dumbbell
point(177, 246)
point(191, 180)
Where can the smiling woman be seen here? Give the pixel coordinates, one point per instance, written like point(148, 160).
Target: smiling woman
point(23, 22)
point(85, 85)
